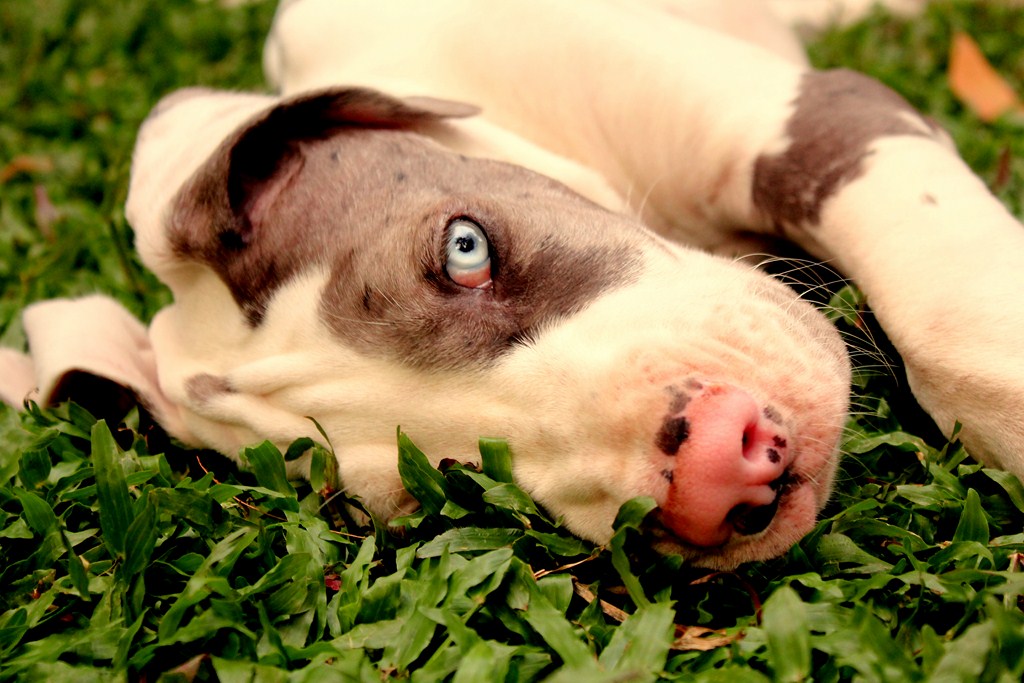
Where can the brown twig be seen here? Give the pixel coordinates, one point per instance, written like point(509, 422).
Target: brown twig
point(571, 565)
point(606, 607)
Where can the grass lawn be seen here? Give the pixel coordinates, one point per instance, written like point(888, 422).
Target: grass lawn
point(123, 557)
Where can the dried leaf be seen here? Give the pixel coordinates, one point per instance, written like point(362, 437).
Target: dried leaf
point(25, 164)
point(976, 83)
point(46, 214)
point(702, 639)
point(190, 669)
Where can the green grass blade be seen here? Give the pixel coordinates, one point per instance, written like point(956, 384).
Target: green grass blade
point(111, 489)
point(419, 477)
point(965, 658)
point(268, 465)
point(298, 448)
point(789, 639)
point(973, 524)
point(640, 646)
point(469, 539)
point(496, 459)
point(76, 570)
point(37, 511)
point(140, 539)
point(34, 468)
point(631, 516)
point(413, 637)
point(1010, 484)
point(558, 633)
point(511, 497)
point(485, 661)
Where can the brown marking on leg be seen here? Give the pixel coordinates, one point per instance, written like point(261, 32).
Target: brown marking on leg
point(837, 116)
point(202, 387)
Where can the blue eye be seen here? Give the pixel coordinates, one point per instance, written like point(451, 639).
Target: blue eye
point(468, 255)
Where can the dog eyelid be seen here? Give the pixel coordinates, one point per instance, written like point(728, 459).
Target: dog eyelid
point(468, 255)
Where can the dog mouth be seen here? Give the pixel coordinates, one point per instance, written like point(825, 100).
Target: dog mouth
point(747, 521)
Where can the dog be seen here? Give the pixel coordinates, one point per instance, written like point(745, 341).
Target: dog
point(521, 220)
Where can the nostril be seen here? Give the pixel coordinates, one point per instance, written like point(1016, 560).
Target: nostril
point(762, 443)
point(748, 437)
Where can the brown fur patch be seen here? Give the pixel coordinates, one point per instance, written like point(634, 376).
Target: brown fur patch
point(220, 216)
point(202, 387)
point(673, 432)
point(837, 116)
point(300, 188)
point(388, 291)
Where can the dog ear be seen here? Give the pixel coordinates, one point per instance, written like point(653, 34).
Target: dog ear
point(94, 351)
point(220, 209)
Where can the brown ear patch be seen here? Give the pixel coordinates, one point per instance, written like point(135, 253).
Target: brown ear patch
point(221, 213)
point(837, 116)
point(338, 185)
point(387, 292)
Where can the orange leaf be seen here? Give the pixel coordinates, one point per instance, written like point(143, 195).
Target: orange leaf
point(975, 83)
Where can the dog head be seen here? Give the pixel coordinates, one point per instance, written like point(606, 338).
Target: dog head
point(329, 258)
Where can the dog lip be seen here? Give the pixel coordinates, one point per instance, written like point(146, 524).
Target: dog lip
point(656, 526)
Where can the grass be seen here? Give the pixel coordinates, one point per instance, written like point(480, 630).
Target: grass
point(124, 557)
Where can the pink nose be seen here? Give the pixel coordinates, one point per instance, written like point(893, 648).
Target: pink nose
point(729, 467)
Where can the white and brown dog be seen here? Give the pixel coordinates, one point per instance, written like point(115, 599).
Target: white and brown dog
point(428, 228)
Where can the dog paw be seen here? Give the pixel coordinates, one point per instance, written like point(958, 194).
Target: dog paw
point(979, 396)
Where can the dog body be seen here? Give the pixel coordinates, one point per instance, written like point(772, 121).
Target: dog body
point(727, 153)
point(383, 245)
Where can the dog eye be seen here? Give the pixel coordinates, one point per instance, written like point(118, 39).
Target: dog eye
point(468, 258)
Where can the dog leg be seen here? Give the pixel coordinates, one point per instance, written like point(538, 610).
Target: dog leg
point(939, 260)
point(712, 140)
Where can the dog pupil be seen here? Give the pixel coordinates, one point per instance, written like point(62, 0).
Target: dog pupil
point(465, 244)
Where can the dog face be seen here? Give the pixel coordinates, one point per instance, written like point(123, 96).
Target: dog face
point(329, 259)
